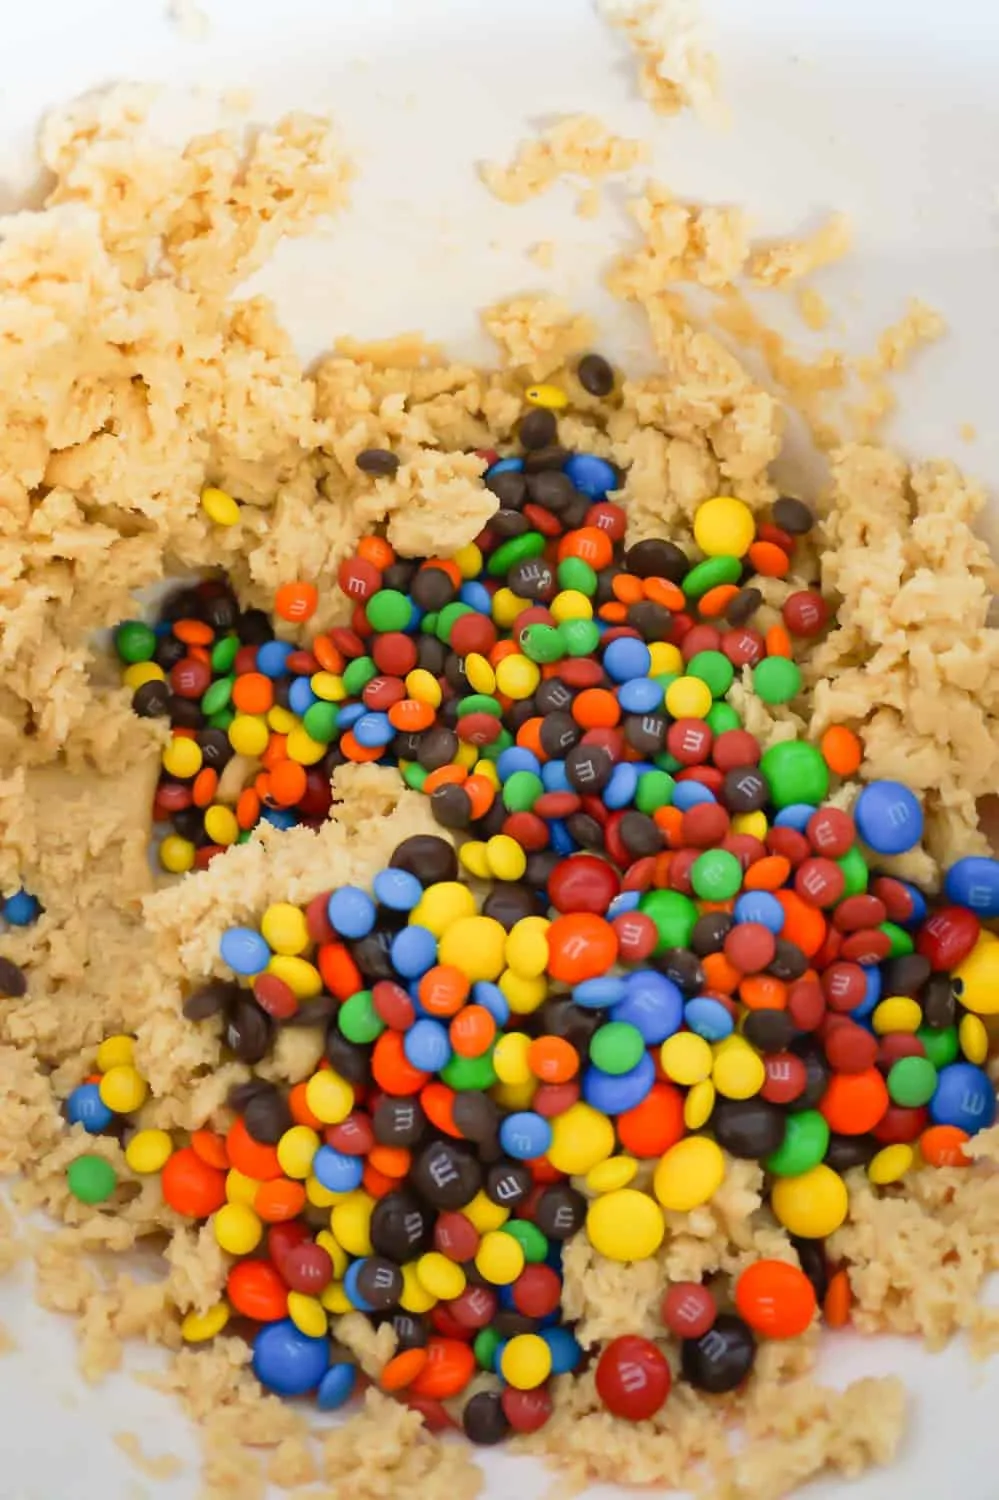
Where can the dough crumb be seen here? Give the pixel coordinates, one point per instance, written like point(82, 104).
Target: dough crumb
point(789, 260)
point(538, 334)
point(896, 347)
point(166, 1466)
point(675, 69)
point(387, 1451)
point(920, 324)
point(577, 146)
point(432, 493)
point(814, 308)
point(372, 1348)
point(682, 242)
point(839, 398)
point(542, 254)
point(795, 1430)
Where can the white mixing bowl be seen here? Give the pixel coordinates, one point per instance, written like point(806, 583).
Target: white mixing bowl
point(886, 111)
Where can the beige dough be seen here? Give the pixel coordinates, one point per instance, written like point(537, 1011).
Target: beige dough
point(129, 378)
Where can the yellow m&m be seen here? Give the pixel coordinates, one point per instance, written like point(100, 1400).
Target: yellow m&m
point(123, 1089)
point(198, 1328)
point(581, 1137)
point(724, 527)
point(148, 1151)
point(526, 1362)
point(219, 506)
point(689, 1174)
point(812, 1205)
point(238, 1230)
point(625, 1225)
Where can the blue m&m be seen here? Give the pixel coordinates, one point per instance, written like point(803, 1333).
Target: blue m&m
point(889, 818)
point(652, 1004)
point(287, 1361)
point(614, 1094)
point(396, 889)
point(337, 1172)
point(591, 475)
point(20, 909)
point(244, 950)
point(86, 1107)
point(626, 658)
point(336, 1387)
point(974, 882)
point(760, 907)
point(964, 1096)
point(351, 912)
point(525, 1135)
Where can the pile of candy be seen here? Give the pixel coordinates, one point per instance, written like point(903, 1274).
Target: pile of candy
point(683, 949)
point(541, 664)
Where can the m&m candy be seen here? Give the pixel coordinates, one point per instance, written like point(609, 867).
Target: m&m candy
point(633, 1378)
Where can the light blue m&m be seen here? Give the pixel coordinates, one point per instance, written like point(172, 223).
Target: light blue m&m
point(626, 658)
point(427, 1045)
point(760, 907)
point(244, 950)
point(413, 951)
point(525, 1135)
point(337, 1172)
point(373, 730)
point(708, 1018)
point(397, 889)
point(351, 912)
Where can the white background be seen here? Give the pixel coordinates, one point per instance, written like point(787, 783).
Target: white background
point(882, 108)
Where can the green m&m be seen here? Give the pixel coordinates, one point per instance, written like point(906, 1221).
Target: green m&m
point(358, 1019)
point(795, 772)
point(714, 668)
point(135, 641)
point(530, 1239)
point(389, 609)
point(616, 1047)
point(91, 1179)
point(716, 875)
point(912, 1082)
point(805, 1142)
point(776, 679)
point(674, 915)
